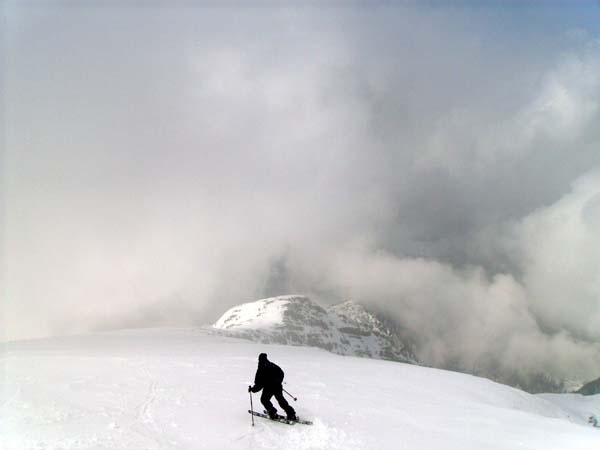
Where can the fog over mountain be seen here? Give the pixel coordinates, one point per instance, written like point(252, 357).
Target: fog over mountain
point(437, 161)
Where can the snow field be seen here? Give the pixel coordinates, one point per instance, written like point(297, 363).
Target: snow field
point(187, 389)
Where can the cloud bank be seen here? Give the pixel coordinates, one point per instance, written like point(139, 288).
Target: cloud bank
point(165, 163)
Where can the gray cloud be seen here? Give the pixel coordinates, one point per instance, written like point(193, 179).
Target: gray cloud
point(164, 163)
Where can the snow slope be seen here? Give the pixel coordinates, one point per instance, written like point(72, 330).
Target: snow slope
point(345, 329)
point(186, 389)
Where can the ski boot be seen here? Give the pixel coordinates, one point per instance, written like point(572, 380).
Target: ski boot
point(272, 413)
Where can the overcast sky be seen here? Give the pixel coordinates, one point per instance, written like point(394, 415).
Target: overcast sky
point(440, 160)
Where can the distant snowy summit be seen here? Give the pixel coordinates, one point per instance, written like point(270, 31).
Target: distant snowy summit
point(346, 329)
point(591, 388)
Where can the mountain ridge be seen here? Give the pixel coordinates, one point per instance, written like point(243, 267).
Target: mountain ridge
point(591, 388)
point(346, 328)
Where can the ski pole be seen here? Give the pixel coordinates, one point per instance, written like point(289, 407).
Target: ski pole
point(251, 407)
point(295, 399)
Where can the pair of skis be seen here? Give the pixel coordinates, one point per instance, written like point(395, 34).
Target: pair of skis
point(280, 418)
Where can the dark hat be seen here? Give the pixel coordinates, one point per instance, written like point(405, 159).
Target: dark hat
point(262, 357)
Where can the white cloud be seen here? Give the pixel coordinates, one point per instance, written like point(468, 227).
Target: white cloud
point(562, 255)
point(410, 157)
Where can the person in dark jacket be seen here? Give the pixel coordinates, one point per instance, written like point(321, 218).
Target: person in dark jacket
point(269, 377)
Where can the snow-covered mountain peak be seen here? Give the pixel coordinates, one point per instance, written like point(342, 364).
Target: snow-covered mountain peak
point(347, 328)
point(356, 314)
point(270, 312)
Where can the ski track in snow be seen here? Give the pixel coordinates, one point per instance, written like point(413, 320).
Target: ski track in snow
point(144, 423)
point(318, 436)
point(187, 389)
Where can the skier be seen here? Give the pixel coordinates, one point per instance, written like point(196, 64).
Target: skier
point(269, 377)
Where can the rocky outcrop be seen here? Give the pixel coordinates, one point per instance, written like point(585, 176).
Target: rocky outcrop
point(345, 329)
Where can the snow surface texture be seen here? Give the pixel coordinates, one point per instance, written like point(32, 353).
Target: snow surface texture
point(345, 329)
point(187, 389)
